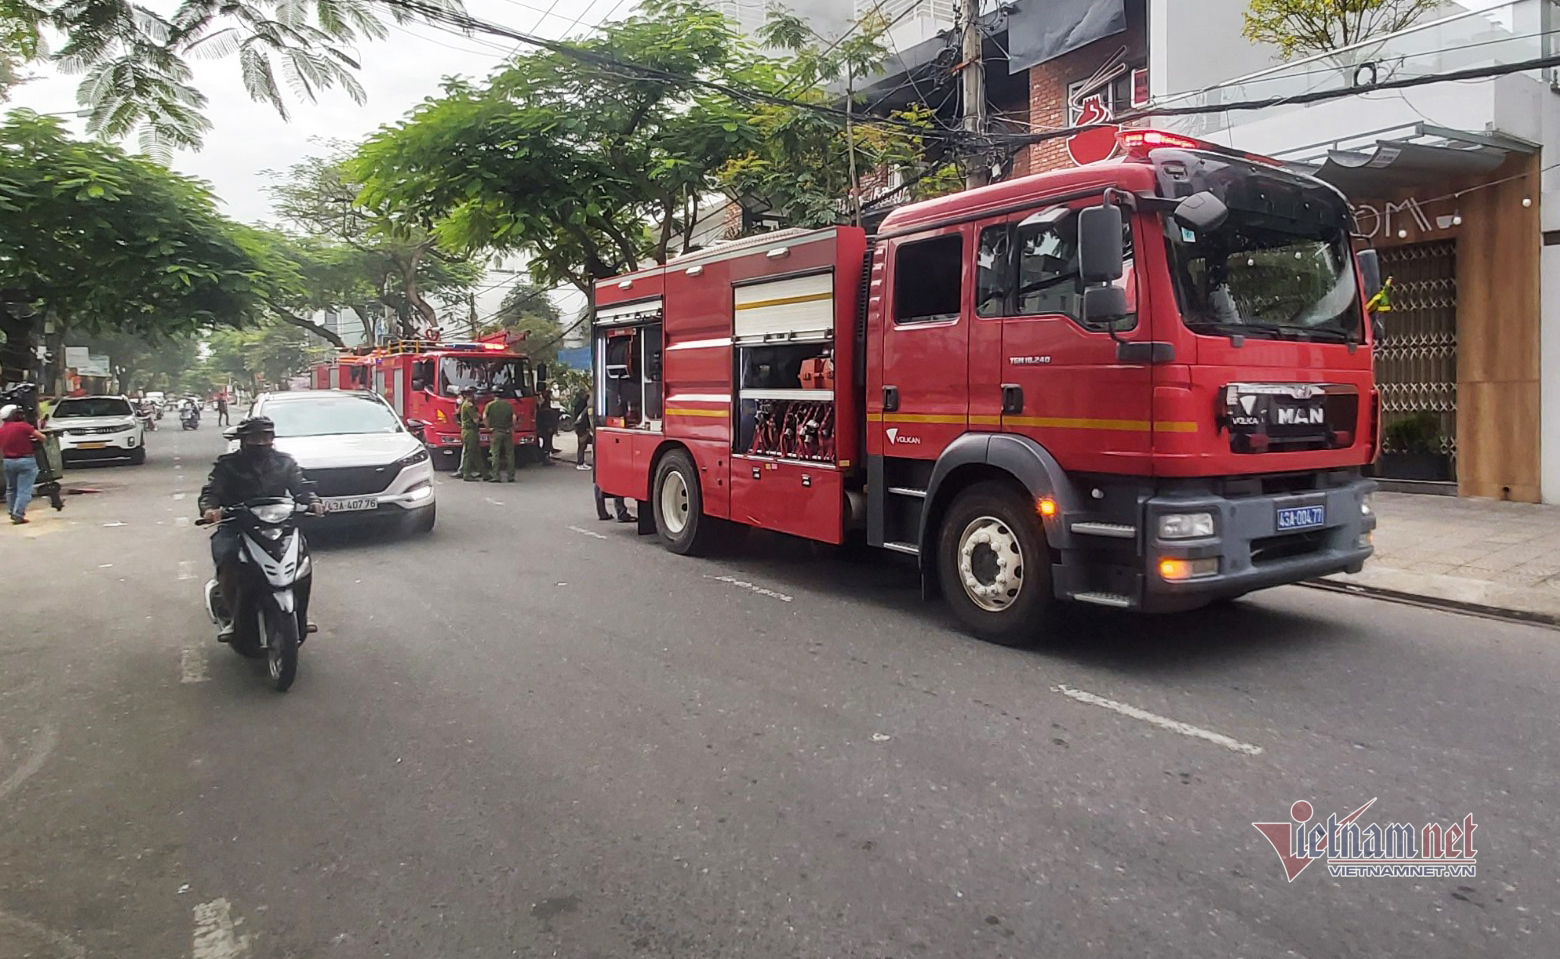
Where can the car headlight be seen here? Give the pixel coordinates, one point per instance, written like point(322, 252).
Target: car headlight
point(412, 459)
point(1185, 525)
point(272, 512)
point(419, 493)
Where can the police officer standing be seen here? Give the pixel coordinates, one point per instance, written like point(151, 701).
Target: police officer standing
point(500, 419)
point(469, 419)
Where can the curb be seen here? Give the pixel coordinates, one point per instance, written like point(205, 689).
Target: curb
point(1526, 617)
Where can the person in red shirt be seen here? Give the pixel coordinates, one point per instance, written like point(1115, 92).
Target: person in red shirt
point(17, 437)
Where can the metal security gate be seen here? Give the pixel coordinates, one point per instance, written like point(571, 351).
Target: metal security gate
point(1416, 366)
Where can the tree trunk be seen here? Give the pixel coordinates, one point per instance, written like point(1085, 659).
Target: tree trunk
point(425, 310)
point(290, 317)
point(18, 352)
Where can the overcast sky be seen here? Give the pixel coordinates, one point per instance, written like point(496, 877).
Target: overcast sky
point(248, 138)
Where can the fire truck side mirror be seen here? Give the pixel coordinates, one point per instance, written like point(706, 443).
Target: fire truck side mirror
point(1201, 212)
point(1103, 306)
point(1370, 272)
point(1100, 250)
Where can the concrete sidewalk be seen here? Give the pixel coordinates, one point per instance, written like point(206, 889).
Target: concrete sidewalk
point(1480, 553)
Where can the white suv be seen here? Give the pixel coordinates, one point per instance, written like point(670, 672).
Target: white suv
point(99, 427)
point(361, 458)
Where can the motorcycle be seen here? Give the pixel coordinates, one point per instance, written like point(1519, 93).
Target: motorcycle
point(148, 418)
point(274, 578)
point(189, 418)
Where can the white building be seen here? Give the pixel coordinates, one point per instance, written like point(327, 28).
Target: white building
point(1452, 181)
point(914, 21)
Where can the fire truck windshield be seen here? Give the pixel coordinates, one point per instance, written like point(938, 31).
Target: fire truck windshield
point(498, 376)
point(1255, 280)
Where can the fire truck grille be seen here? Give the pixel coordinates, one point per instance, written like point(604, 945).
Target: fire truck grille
point(352, 480)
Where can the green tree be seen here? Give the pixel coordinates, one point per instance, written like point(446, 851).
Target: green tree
point(528, 309)
point(1301, 28)
point(134, 60)
point(142, 362)
point(265, 356)
point(368, 252)
point(99, 240)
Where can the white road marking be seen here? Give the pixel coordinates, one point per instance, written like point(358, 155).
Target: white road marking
point(181, 521)
point(215, 936)
point(586, 532)
point(41, 747)
point(192, 666)
point(750, 586)
point(186, 569)
point(490, 499)
point(1174, 725)
point(179, 495)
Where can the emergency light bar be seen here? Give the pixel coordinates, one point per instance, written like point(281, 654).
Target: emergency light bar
point(1136, 144)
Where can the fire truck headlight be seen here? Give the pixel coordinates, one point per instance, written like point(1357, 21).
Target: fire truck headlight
point(1185, 525)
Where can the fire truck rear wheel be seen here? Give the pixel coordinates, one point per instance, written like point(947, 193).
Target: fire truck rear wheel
point(995, 566)
point(679, 513)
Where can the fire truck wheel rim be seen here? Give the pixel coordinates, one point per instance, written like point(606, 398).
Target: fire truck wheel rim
point(674, 502)
point(991, 564)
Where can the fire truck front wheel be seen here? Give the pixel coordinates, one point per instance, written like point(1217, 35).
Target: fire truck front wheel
point(994, 565)
point(679, 509)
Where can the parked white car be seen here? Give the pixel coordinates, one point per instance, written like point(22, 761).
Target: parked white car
point(97, 428)
point(361, 458)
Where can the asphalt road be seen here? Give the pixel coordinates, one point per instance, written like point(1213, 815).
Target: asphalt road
point(534, 734)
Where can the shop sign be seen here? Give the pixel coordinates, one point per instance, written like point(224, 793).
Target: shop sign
point(1385, 219)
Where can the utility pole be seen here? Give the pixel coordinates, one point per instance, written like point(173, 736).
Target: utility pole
point(850, 142)
point(974, 89)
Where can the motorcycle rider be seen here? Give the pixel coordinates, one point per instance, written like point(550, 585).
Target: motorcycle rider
point(256, 470)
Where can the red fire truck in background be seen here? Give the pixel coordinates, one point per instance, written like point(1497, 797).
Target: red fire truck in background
point(422, 380)
point(1144, 383)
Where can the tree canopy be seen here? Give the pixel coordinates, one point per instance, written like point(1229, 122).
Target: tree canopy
point(134, 60)
point(99, 239)
point(529, 309)
point(595, 171)
point(1304, 27)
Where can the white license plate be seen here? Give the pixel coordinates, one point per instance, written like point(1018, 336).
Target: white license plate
point(1301, 517)
point(351, 504)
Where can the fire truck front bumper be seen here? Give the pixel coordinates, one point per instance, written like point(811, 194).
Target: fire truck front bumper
point(1193, 550)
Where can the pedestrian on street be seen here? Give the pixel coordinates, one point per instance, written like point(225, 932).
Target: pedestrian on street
point(622, 513)
point(17, 439)
point(546, 427)
point(583, 431)
point(222, 410)
point(469, 419)
point(500, 419)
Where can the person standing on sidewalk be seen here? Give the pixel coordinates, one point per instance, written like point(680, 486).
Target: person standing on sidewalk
point(500, 419)
point(17, 439)
point(582, 428)
point(469, 419)
point(546, 427)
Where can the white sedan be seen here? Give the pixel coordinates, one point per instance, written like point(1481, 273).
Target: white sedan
point(358, 454)
point(98, 427)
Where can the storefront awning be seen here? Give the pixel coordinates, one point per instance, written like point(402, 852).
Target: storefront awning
point(1425, 154)
point(1041, 30)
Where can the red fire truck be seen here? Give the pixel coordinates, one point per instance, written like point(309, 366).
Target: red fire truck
point(1144, 384)
point(422, 380)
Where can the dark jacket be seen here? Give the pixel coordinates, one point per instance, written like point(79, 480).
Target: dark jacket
point(235, 478)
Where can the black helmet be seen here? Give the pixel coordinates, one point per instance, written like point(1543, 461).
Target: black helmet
point(255, 426)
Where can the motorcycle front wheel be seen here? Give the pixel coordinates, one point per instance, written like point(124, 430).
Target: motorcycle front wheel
point(281, 646)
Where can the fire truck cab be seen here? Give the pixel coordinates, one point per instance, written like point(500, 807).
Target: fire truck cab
point(1143, 384)
point(422, 380)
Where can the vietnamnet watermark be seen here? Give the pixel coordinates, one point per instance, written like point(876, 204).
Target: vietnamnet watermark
point(1394, 850)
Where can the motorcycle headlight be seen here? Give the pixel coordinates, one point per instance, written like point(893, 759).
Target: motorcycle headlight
point(412, 459)
point(273, 533)
point(273, 512)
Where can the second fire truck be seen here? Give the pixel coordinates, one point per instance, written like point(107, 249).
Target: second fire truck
point(422, 380)
point(1143, 384)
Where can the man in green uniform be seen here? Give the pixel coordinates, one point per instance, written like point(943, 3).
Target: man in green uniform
point(500, 419)
point(469, 419)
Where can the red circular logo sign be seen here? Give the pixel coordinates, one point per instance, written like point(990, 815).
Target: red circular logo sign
point(1092, 146)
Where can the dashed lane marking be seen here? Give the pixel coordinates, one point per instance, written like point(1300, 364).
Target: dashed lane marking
point(1174, 725)
point(216, 935)
point(585, 532)
point(754, 587)
point(181, 521)
point(186, 568)
point(192, 666)
point(179, 495)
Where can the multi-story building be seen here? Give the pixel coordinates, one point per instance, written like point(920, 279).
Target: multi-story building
point(913, 21)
